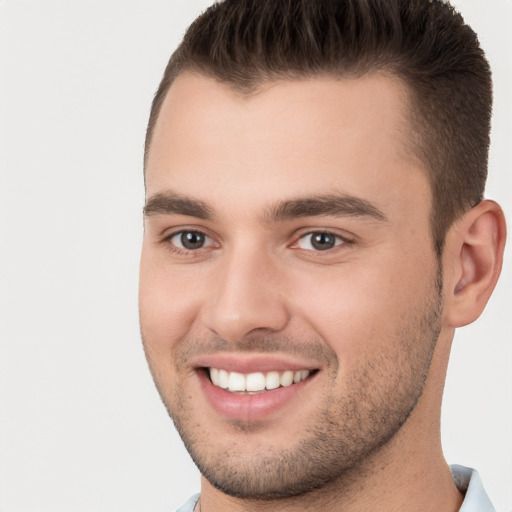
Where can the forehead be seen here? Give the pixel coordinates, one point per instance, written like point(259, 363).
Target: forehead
point(286, 138)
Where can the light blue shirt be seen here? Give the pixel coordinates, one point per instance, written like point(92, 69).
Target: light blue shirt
point(189, 506)
point(467, 481)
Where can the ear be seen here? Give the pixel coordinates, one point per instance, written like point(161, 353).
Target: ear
point(472, 262)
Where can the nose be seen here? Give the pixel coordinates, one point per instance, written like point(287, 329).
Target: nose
point(247, 297)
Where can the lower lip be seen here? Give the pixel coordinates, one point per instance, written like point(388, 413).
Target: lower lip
point(242, 407)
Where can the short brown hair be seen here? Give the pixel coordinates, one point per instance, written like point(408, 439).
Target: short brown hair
point(423, 42)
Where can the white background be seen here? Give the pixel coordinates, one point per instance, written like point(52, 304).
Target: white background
point(82, 428)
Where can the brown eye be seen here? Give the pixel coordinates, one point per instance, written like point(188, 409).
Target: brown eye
point(319, 241)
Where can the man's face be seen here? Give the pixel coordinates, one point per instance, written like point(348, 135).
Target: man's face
point(287, 255)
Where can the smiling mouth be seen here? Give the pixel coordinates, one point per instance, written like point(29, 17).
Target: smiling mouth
point(257, 382)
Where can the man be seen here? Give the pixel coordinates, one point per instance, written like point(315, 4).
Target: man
point(315, 230)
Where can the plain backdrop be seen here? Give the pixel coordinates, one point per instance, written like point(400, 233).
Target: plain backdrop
point(81, 426)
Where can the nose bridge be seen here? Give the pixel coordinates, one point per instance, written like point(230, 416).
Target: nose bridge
point(246, 295)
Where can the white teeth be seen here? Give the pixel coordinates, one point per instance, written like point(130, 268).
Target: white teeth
point(286, 378)
point(236, 382)
point(223, 381)
point(255, 382)
point(272, 380)
point(214, 375)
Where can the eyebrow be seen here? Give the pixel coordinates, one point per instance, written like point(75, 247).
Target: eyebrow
point(325, 205)
point(337, 205)
point(169, 203)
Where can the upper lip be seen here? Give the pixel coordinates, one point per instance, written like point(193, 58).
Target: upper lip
point(252, 363)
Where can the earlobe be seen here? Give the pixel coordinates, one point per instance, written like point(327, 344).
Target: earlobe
point(473, 260)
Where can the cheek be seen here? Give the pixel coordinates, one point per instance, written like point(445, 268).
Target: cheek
point(357, 307)
point(168, 302)
point(166, 309)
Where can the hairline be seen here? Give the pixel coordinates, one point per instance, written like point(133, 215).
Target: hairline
point(413, 149)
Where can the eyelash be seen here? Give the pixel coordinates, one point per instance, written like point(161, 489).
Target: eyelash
point(181, 251)
point(338, 241)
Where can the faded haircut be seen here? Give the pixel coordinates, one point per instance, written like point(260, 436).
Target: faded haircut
point(425, 43)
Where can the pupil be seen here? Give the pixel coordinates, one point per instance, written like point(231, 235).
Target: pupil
point(192, 240)
point(322, 241)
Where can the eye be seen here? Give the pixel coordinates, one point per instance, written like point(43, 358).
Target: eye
point(190, 240)
point(319, 241)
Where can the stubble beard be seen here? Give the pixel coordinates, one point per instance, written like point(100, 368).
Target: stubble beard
point(347, 432)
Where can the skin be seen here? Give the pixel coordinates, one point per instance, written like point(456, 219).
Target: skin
point(373, 316)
